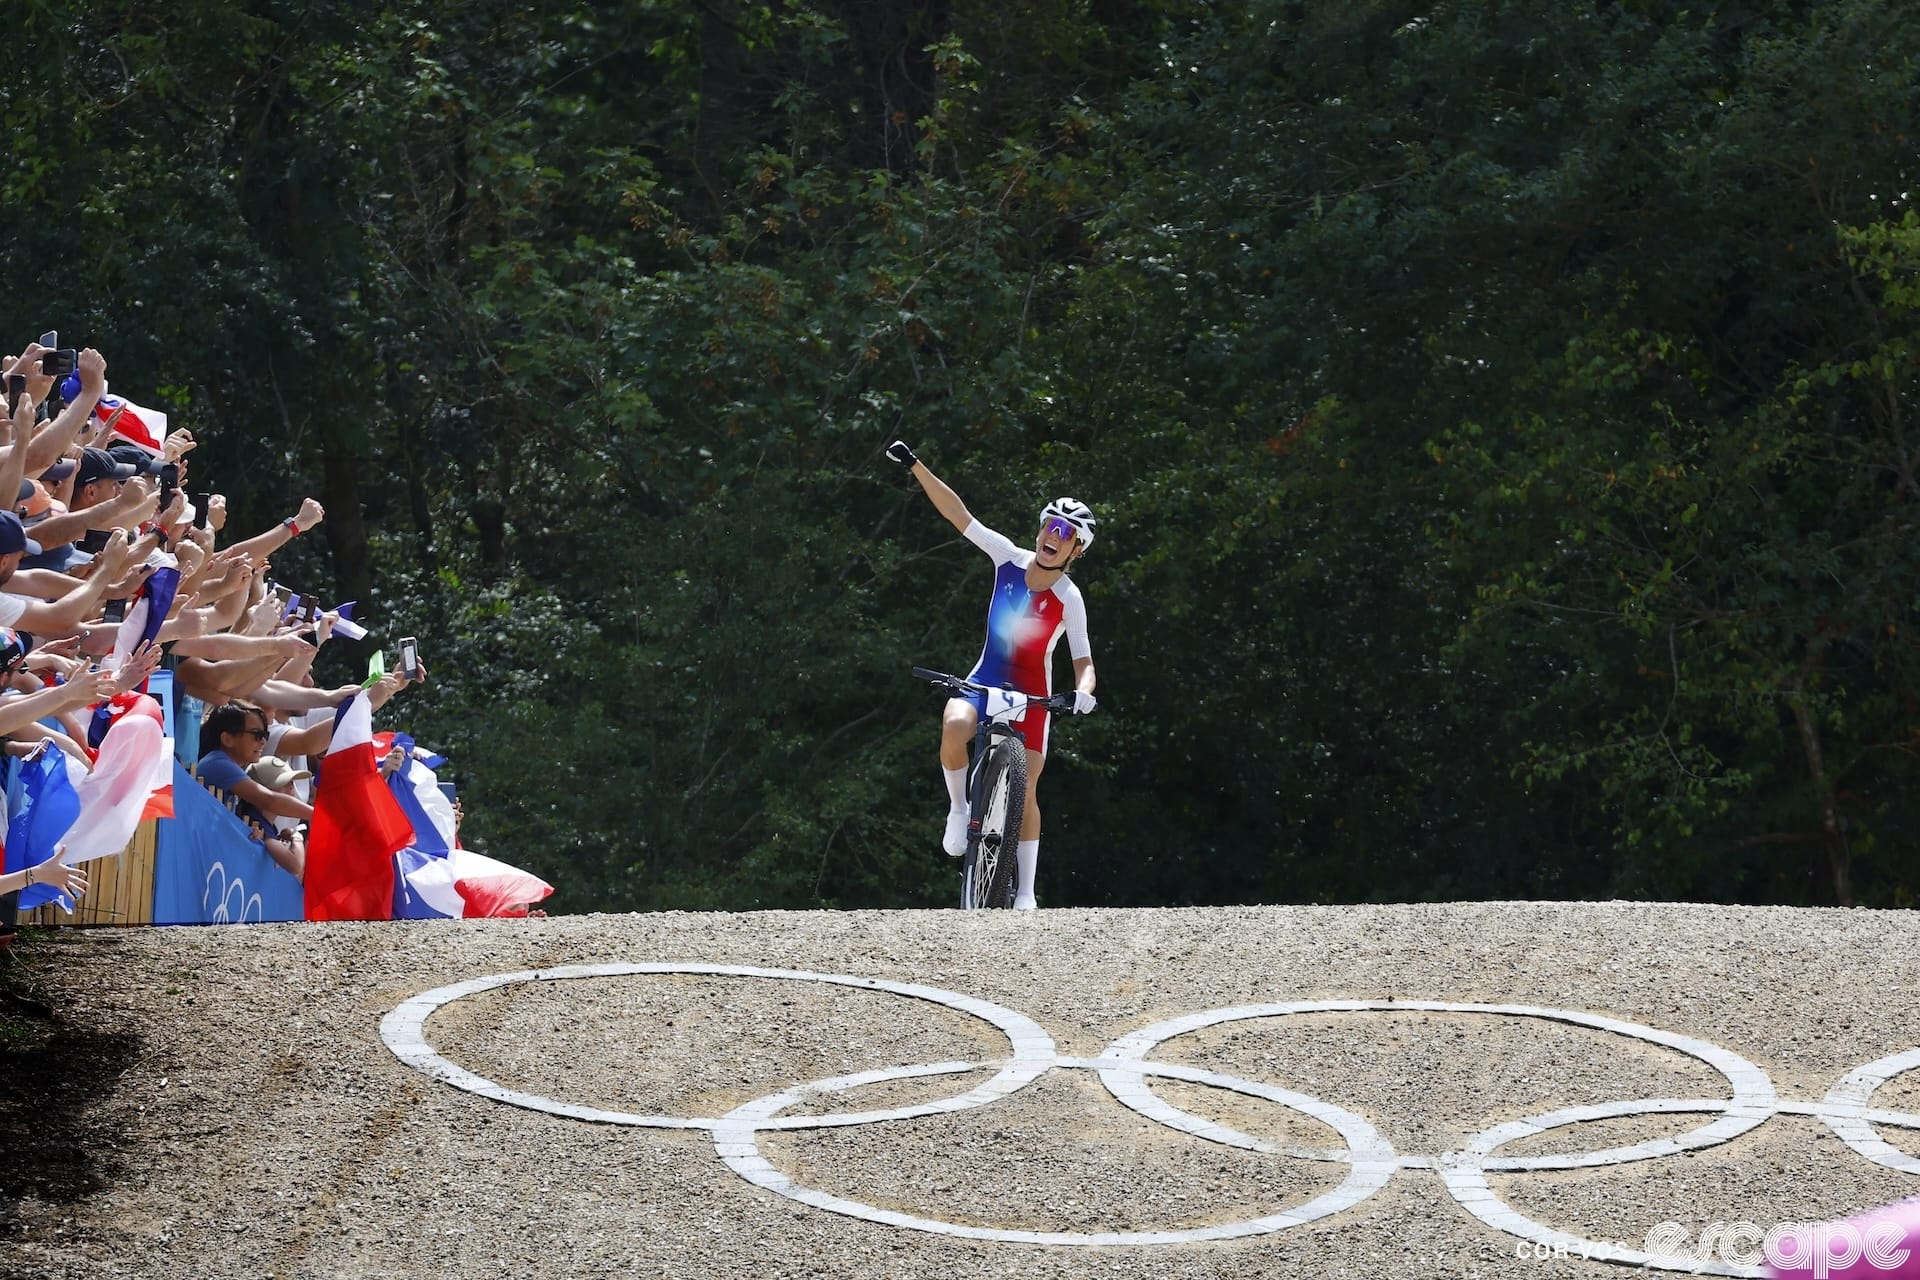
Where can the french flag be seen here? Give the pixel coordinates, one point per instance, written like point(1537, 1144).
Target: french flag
point(144, 427)
point(439, 880)
point(95, 816)
point(462, 885)
point(132, 780)
point(142, 623)
point(357, 827)
point(416, 789)
point(48, 808)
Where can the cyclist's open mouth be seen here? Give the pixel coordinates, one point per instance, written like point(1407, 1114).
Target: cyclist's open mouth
point(1055, 536)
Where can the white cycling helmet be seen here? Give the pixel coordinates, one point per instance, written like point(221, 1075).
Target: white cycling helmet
point(1076, 513)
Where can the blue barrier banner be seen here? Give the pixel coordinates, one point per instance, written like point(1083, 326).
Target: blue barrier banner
point(160, 688)
point(208, 869)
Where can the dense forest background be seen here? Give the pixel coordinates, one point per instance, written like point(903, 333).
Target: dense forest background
point(1496, 411)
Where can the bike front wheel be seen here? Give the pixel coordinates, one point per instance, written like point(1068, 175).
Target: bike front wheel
point(987, 873)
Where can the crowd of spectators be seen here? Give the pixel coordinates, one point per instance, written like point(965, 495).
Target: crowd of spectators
point(99, 513)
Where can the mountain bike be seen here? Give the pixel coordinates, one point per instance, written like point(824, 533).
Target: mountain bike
point(996, 788)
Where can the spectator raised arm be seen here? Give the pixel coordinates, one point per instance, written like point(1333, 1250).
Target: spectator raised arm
point(57, 436)
point(136, 503)
point(212, 677)
point(13, 464)
point(281, 694)
point(63, 616)
point(81, 691)
point(263, 545)
point(386, 686)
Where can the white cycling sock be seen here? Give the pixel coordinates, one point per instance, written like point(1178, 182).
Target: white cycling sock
point(1027, 853)
point(956, 788)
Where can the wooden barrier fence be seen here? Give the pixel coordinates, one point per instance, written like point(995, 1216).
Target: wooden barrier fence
point(119, 889)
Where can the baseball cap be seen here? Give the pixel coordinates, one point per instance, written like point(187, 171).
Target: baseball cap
point(98, 464)
point(273, 773)
point(36, 503)
point(132, 455)
point(59, 471)
point(13, 536)
point(14, 647)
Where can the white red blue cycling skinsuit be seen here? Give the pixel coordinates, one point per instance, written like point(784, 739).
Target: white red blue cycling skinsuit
point(1023, 626)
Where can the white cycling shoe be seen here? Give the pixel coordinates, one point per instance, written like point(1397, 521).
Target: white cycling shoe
point(955, 839)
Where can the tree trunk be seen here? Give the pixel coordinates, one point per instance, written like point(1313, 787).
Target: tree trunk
point(1833, 835)
point(895, 77)
point(346, 528)
point(417, 497)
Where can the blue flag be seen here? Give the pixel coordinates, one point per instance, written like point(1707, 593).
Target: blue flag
point(49, 807)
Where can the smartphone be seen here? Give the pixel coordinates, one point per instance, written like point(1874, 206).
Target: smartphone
point(16, 387)
point(59, 363)
point(95, 542)
point(201, 503)
point(169, 483)
point(289, 602)
point(448, 790)
point(114, 611)
point(309, 608)
point(410, 657)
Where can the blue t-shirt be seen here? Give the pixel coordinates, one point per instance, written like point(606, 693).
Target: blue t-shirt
point(218, 769)
point(186, 726)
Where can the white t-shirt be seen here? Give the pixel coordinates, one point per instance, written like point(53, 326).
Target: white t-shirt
point(302, 787)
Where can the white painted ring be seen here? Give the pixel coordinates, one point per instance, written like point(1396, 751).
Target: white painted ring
point(1466, 1178)
point(1371, 1159)
point(1752, 1102)
point(404, 1031)
point(1124, 1071)
point(1853, 1094)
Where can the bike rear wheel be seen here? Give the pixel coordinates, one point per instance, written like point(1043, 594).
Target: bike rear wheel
point(987, 874)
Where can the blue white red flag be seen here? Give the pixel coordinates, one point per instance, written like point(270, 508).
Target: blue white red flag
point(436, 878)
point(417, 790)
point(132, 773)
point(144, 427)
point(357, 827)
point(48, 808)
point(142, 624)
point(462, 884)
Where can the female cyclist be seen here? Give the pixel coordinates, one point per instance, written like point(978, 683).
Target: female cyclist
point(1033, 604)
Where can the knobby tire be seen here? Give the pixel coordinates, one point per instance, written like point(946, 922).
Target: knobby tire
point(988, 872)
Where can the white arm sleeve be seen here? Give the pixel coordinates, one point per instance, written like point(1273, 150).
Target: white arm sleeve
point(990, 542)
point(1074, 615)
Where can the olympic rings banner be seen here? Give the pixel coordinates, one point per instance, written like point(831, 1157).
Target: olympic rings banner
point(1126, 1069)
point(207, 870)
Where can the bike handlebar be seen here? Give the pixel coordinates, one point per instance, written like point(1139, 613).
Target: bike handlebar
point(1061, 702)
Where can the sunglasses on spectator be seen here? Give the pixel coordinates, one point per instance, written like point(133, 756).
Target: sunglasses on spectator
point(258, 735)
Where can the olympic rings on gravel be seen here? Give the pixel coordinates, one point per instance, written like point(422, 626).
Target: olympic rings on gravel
point(1752, 1103)
point(1124, 1070)
point(403, 1030)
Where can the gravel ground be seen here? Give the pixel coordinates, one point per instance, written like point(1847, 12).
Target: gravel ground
point(218, 1102)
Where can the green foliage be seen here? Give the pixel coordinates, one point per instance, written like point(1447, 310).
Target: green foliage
point(1497, 415)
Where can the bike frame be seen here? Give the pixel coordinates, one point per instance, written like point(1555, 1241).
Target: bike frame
point(1001, 705)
